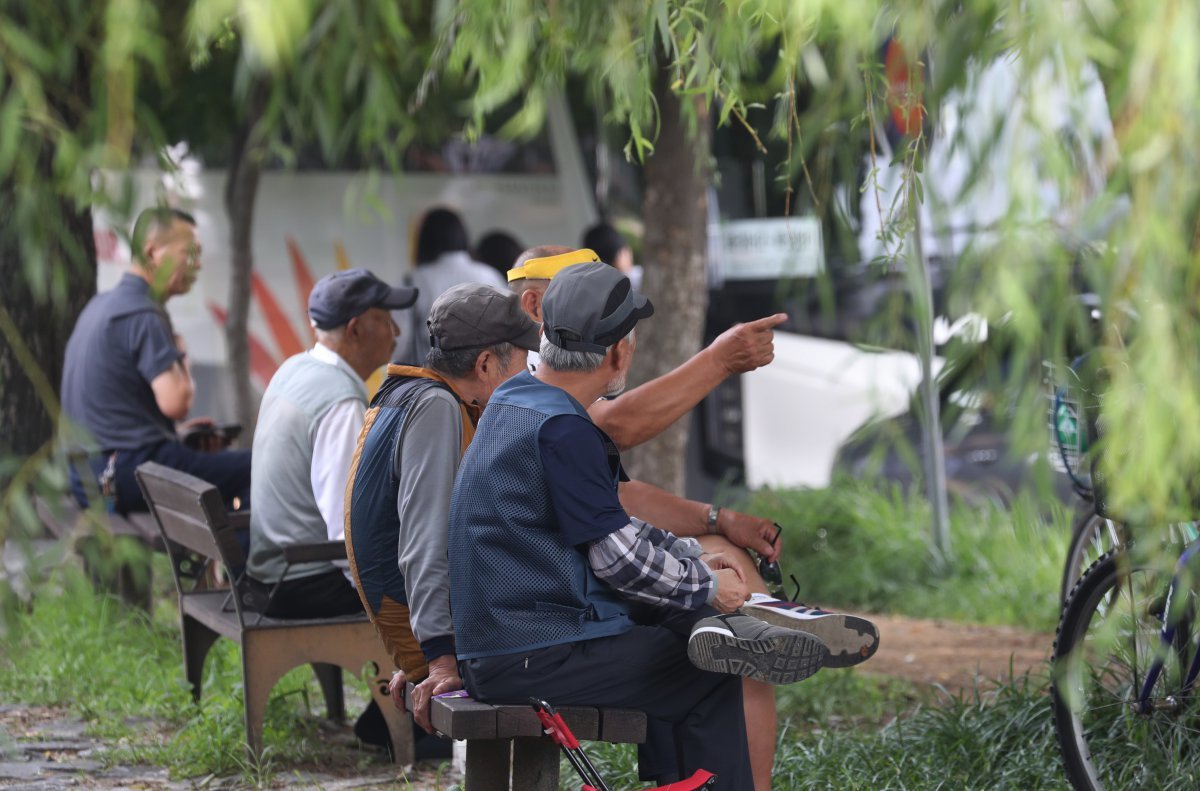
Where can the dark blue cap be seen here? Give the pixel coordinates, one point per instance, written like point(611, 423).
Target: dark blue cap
point(339, 297)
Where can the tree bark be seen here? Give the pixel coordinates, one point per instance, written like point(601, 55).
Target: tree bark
point(675, 211)
point(31, 364)
point(35, 322)
point(241, 191)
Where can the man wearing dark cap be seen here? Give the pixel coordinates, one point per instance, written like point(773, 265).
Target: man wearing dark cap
point(558, 593)
point(308, 424)
point(418, 426)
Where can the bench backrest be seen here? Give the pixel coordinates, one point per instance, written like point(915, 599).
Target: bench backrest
point(191, 514)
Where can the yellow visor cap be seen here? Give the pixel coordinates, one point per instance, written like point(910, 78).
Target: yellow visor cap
point(546, 268)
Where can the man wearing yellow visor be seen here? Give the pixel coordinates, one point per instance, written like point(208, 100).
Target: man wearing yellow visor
point(644, 412)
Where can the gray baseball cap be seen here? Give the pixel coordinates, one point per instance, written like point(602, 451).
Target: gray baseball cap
point(471, 315)
point(589, 307)
point(339, 297)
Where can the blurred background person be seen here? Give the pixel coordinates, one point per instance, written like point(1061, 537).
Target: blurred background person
point(443, 260)
point(613, 250)
point(499, 250)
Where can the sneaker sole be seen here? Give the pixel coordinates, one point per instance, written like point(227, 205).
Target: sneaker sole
point(776, 660)
point(851, 640)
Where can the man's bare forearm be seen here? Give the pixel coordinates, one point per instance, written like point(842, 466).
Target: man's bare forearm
point(664, 510)
point(645, 411)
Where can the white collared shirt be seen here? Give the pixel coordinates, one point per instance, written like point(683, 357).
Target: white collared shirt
point(333, 450)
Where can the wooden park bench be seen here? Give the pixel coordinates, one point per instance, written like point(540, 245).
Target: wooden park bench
point(197, 529)
point(87, 528)
point(506, 744)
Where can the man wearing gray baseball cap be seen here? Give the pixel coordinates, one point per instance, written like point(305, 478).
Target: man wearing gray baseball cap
point(558, 593)
point(399, 488)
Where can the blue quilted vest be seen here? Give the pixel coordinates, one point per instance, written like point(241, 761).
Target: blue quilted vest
point(515, 585)
point(372, 524)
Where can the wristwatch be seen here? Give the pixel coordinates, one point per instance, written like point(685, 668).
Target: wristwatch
point(714, 512)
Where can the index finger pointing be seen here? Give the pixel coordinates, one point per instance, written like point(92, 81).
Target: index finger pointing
point(768, 322)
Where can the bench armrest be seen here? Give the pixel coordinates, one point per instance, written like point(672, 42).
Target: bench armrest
point(308, 553)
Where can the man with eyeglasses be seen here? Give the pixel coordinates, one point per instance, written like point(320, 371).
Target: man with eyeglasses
point(127, 385)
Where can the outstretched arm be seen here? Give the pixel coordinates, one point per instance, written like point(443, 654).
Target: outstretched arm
point(644, 412)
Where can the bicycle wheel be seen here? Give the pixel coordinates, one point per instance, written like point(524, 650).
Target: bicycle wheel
point(1091, 537)
point(1107, 638)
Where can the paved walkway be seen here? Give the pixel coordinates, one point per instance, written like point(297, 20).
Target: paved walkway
point(46, 749)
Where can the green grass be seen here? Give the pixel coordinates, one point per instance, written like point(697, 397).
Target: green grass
point(121, 671)
point(1001, 740)
point(865, 545)
point(859, 544)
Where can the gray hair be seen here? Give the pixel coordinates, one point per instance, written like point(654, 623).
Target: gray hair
point(558, 359)
point(331, 335)
point(461, 362)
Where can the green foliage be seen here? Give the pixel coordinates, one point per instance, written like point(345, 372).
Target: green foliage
point(863, 544)
point(121, 671)
point(996, 740)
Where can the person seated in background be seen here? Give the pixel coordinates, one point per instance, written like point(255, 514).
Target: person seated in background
point(399, 486)
point(443, 260)
point(498, 250)
point(614, 251)
point(546, 566)
point(127, 379)
point(308, 425)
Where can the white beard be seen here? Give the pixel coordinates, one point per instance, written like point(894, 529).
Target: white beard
point(616, 386)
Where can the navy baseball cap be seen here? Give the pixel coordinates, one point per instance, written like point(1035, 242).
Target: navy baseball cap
point(339, 297)
point(589, 307)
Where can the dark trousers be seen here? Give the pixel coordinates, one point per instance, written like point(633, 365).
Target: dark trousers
point(228, 470)
point(646, 668)
point(326, 595)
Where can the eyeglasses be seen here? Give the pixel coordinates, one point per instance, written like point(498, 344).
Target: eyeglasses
point(770, 572)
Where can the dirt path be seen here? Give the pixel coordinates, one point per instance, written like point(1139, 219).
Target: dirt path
point(954, 655)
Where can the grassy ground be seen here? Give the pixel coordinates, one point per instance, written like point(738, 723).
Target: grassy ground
point(863, 544)
point(857, 545)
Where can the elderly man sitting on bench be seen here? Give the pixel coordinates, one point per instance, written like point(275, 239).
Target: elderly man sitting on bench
point(558, 593)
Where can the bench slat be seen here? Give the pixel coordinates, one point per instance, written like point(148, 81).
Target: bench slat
point(463, 718)
point(515, 721)
point(622, 726)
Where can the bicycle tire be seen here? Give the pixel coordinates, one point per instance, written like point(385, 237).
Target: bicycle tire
point(1107, 633)
point(1092, 536)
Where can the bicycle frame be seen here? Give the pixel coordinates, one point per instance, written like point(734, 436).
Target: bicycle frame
point(1168, 633)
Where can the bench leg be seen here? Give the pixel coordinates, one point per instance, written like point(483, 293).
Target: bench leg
point(330, 679)
point(488, 764)
point(197, 640)
point(264, 662)
point(535, 764)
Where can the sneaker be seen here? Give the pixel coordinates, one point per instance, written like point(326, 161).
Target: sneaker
point(851, 640)
point(743, 646)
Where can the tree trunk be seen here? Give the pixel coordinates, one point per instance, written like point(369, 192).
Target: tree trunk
point(241, 190)
point(35, 322)
point(31, 363)
point(675, 251)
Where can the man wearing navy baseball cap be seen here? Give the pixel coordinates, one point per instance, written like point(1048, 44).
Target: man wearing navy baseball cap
point(308, 425)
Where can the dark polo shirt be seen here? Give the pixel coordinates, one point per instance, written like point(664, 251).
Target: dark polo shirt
point(121, 342)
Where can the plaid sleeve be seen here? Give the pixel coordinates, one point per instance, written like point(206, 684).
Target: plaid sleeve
point(639, 562)
point(676, 546)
